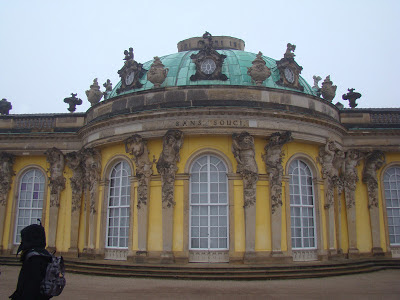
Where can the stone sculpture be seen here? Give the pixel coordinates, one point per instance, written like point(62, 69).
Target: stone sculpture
point(316, 87)
point(6, 174)
point(166, 165)
point(137, 146)
point(259, 71)
point(290, 51)
point(73, 102)
point(157, 72)
point(74, 162)
point(56, 180)
point(244, 152)
point(328, 90)
point(373, 162)
point(331, 159)
point(108, 86)
point(5, 107)
point(273, 160)
point(92, 169)
point(94, 94)
point(350, 176)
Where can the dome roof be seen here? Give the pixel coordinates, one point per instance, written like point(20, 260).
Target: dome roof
point(235, 67)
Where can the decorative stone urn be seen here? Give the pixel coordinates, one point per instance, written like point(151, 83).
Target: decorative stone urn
point(157, 72)
point(94, 94)
point(328, 90)
point(259, 71)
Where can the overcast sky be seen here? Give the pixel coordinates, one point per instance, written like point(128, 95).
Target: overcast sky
point(49, 49)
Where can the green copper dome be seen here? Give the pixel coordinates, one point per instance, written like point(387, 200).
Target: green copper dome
point(235, 67)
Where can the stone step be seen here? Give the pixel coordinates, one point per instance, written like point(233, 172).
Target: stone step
point(220, 271)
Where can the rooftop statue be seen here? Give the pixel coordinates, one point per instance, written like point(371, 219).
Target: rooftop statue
point(108, 86)
point(129, 54)
point(5, 107)
point(289, 51)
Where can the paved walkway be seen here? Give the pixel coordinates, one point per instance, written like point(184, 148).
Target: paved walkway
point(378, 285)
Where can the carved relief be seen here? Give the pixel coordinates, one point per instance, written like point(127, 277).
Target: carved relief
point(74, 161)
point(273, 161)
point(373, 162)
point(157, 72)
point(6, 174)
point(328, 90)
point(259, 71)
point(92, 168)
point(56, 180)
point(244, 152)
point(166, 165)
point(331, 158)
point(94, 94)
point(350, 176)
point(208, 61)
point(137, 146)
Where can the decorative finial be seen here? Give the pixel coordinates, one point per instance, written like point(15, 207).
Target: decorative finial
point(157, 73)
point(352, 97)
point(328, 90)
point(73, 102)
point(289, 51)
point(259, 71)
point(5, 107)
point(108, 86)
point(94, 94)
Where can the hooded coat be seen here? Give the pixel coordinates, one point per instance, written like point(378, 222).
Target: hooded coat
point(33, 270)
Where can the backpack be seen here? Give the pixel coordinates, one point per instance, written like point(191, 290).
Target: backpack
point(54, 281)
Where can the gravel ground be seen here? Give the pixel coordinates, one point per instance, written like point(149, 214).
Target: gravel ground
point(376, 285)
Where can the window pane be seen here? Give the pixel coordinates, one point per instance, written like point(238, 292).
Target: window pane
point(301, 205)
point(208, 182)
point(392, 192)
point(118, 206)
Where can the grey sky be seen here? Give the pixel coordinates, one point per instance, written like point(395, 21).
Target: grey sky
point(50, 49)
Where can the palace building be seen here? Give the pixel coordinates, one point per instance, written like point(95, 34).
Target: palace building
point(211, 154)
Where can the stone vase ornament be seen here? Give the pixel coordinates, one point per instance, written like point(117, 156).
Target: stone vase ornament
point(259, 71)
point(94, 94)
point(328, 90)
point(157, 73)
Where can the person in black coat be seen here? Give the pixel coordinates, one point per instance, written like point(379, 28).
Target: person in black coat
point(33, 270)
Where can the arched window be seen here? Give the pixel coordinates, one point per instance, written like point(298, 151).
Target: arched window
point(391, 181)
point(30, 200)
point(302, 208)
point(208, 204)
point(118, 206)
